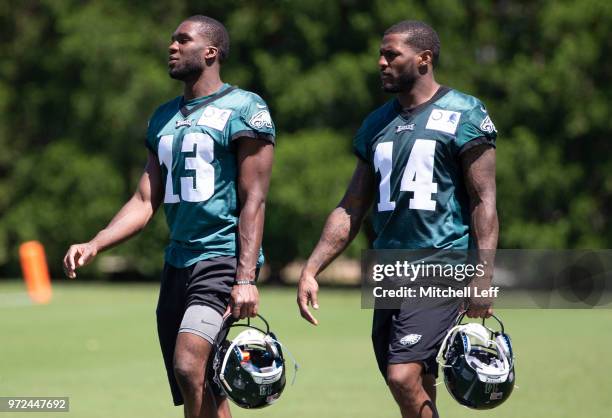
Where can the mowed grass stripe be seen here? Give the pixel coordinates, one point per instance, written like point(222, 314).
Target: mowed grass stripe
point(97, 343)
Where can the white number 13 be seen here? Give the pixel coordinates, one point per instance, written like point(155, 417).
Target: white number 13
point(197, 189)
point(417, 177)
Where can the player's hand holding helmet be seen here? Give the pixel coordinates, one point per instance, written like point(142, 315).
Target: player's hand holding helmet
point(250, 369)
point(478, 364)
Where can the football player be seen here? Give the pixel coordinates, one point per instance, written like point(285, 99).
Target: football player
point(209, 162)
point(426, 161)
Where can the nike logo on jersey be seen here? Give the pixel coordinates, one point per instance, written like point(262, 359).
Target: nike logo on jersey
point(444, 121)
point(181, 123)
point(260, 106)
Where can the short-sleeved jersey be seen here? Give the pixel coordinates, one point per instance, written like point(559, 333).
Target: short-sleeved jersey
point(197, 155)
point(421, 199)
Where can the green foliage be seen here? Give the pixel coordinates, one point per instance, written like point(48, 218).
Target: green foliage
point(78, 81)
point(60, 193)
point(311, 171)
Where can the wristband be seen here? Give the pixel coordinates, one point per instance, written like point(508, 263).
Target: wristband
point(245, 281)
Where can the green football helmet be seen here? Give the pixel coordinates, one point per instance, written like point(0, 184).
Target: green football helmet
point(250, 369)
point(478, 364)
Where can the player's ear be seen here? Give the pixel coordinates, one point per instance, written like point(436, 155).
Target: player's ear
point(425, 57)
point(211, 53)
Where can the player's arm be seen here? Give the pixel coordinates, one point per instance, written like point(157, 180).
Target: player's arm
point(340, 229)
point(479, 172)
point(130, 219)
point(255, 158)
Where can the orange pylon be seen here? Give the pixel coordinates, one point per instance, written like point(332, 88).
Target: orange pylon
point(35, 271)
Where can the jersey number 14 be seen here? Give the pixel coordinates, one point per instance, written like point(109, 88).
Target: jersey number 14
point(417, 177)
point(200, 187)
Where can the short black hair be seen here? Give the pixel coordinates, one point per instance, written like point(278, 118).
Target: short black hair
point(420, 36)
point(215, 32)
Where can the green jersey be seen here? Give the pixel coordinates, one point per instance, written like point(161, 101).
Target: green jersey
point(421, 199)
point(194, 142)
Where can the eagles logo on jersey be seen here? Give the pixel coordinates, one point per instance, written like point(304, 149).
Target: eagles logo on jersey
point(194, 142)
point(261, 119)
point(487, 125)
point(421, 199)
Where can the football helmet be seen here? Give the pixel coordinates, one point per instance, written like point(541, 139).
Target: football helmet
point(250, 369)
point(478, 364)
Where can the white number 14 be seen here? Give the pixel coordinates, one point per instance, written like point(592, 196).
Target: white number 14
point(417, 177)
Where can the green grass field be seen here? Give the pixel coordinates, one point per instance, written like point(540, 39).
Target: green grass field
point(97, 344)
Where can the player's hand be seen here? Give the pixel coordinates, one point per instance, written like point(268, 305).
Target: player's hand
point(479, 308)
point(78, 255)
point(244, 301)
point(308, 288)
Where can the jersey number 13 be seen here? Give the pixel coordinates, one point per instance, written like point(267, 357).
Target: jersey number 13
point(199, 187)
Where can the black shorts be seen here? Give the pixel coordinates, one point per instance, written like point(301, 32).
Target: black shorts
point(411, 335)
point(208, 282)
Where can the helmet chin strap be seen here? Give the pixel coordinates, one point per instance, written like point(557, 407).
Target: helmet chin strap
point(295, 365)
point(479, 332)
point(270, 347)
point(491, 374)
point(225, 358)
point(450, 335)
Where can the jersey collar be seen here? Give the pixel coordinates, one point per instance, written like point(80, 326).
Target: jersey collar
point(190, 106)
point(408, 113)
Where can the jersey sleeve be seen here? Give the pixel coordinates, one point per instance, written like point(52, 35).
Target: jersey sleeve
point(253, 120)
point(476, 128)
point(373, 124)
point(361, 140)
point(150, 137)
point(158, 119)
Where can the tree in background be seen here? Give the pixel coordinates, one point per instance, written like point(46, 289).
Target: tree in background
point(78, 81)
